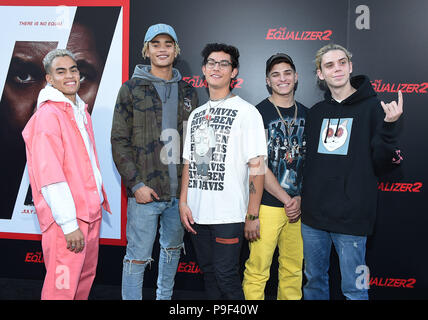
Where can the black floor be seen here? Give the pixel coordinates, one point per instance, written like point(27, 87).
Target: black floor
point(22, 289)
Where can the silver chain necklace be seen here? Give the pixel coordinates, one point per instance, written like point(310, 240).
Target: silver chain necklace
point(208, 115)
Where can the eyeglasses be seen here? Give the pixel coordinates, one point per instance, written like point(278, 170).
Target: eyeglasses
point(223, 64)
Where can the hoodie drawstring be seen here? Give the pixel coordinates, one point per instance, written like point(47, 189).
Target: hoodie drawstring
point(337, 127)
point(326, 132)
point(167, 91)
point(328, 127)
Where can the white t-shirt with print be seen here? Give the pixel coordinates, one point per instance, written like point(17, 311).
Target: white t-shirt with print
point(222, 196)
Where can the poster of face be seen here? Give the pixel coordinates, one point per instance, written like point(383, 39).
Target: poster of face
point(29, 32)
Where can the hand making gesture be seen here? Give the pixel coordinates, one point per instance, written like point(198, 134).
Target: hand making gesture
point(393, 110)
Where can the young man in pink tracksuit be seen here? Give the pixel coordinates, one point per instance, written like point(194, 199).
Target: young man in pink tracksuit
point(66, 181)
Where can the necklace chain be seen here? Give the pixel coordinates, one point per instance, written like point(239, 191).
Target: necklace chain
point(208, 115)
point(287, 126)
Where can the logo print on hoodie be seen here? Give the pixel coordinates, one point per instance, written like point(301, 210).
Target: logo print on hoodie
point(334, 137)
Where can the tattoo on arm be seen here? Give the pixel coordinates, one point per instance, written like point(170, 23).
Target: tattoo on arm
point(252, 187)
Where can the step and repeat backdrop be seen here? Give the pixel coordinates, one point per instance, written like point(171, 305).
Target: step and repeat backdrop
point(387, 39)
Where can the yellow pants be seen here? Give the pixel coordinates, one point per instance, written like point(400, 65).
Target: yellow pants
point(275, 230)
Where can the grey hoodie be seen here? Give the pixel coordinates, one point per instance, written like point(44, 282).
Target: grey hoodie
point(168, 93)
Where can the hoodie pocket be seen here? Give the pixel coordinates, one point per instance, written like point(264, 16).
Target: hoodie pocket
point(332, 199)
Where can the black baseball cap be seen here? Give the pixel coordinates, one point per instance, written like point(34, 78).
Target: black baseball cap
point(278, 58)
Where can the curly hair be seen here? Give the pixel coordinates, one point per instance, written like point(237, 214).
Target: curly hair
point(216, 47)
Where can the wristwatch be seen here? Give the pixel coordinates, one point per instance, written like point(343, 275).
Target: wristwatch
point(251, 217)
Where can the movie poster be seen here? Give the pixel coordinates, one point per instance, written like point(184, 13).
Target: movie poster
point(95, 34)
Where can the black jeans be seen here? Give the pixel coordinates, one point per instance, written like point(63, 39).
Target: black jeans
point(218, 248)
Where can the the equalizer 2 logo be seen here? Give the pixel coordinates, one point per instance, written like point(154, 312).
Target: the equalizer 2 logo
point(400, 186)
point(392, 282)
point(34, 257)
point(200, 82)
point(364, 280)
point(380, 86)
point(282, 33)
point(188, 267)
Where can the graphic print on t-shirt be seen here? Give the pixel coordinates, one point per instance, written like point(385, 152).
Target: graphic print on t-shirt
point(286, 152)
point(335, 135)
point(209, 147)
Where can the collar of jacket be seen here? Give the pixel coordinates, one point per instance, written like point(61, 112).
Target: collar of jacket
point(63, 105)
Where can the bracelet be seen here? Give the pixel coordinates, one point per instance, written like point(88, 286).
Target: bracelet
point(251, 217)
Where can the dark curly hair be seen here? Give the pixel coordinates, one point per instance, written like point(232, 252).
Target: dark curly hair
point(216, 47)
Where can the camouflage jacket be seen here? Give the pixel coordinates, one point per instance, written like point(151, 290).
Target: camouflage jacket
point(136, 131)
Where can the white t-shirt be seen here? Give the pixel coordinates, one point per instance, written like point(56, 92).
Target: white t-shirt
point(222, 196)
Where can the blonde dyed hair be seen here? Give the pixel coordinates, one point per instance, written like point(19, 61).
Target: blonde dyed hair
point(329, 47)
point(318, 58)
point(55, 53)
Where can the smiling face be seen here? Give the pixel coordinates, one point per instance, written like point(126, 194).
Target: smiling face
point(161, 51)
point(64, 76)
point(335, 69)
point(218, 76)
point(282, 79)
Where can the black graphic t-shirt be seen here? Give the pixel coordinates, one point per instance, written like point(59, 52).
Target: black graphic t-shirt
point(286, 148)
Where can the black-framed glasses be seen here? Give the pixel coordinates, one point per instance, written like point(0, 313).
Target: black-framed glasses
point(223, 64)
